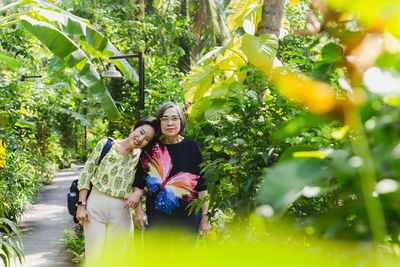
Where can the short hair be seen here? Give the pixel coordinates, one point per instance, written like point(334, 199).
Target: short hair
point(168, 105)
point(149, 121)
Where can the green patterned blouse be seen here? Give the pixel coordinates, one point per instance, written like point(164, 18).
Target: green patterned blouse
point(115, 174)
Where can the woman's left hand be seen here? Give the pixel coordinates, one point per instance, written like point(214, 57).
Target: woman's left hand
point(133, 199)
point(205, 225)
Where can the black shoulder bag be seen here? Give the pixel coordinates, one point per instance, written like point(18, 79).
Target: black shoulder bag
point(73, 195)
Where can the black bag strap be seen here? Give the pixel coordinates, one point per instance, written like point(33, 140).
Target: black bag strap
point(105, 149)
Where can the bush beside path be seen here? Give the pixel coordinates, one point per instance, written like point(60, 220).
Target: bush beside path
point(43, 222)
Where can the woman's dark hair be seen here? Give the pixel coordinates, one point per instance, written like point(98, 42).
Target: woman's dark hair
point(168, 105)
point(149, 121)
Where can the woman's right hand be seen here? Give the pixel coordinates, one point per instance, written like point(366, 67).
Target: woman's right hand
point(82, 214)
point(140, 218)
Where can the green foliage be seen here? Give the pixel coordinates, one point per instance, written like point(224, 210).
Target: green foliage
point(260, 50)
point(10, 242)
point(160, 34)
point(356, 182)
point(73, 243)
point(32, 145)
point(52, 27)
point(234, 171)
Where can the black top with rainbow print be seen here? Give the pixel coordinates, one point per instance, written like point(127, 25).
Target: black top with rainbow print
point(171, 173)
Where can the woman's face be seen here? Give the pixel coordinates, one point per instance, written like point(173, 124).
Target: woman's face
point(141, 136)
point(170, 122)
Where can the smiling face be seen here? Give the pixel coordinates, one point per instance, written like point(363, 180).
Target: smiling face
point(170, 122)
point(141, 136)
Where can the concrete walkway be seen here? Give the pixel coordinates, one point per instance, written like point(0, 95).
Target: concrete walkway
point(43, 222)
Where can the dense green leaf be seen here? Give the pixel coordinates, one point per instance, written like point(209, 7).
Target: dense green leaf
point(77, 116)
point(23, 123)
point(295, 126)
point(13, 63)
point(284, 182)
point(199, 83)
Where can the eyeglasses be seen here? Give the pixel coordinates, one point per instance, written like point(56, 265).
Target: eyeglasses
point(166, 119)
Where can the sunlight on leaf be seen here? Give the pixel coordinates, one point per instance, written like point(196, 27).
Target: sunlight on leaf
point(265, 211)
point(340, 133)
point(238, 9)
point(382, 82)
point(249, 27)
point(386, 186)
point(199, 83)
point(356, 162)
point(384, 14)
point(260, 50)
point(311, 191)
point(321, 154)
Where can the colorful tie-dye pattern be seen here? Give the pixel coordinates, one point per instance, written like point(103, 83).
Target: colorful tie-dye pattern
point(158, 166)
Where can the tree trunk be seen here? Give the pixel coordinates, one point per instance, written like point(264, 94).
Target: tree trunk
point(272, 15)
point(140, 14)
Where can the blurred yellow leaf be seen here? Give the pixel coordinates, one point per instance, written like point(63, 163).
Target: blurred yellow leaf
point(345, 17)
point(321, 154)
point(2, 154)
point(383, 14)
point(318, 97)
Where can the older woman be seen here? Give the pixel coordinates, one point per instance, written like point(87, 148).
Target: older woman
point(105, 214)
point(170, 170)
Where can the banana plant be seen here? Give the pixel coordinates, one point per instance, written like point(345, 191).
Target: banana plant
point(58, 30)
point(216, 86)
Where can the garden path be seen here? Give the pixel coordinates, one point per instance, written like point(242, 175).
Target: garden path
point(43, 222)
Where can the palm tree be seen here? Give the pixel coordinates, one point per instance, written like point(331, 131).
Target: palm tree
point(208, 24)
point(272, 15)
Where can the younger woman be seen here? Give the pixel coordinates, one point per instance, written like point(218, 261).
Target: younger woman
point(105, 215)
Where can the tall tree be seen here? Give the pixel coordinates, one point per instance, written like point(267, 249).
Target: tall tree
point(272, 14)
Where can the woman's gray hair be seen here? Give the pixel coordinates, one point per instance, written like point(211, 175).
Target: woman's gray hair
point(168, 105)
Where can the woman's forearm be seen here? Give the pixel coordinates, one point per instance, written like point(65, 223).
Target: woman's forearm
point(83, 195)
point(203, 194)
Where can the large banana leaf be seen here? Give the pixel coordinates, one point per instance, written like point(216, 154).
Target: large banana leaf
point(98, 44)
point(66, 49)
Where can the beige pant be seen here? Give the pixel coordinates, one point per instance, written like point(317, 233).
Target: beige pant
point(109, 228)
